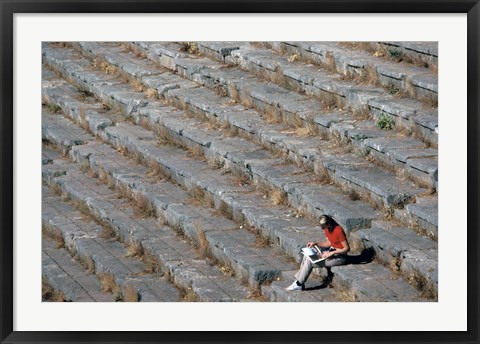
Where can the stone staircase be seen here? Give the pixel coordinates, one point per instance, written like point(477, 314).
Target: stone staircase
point(211, 162)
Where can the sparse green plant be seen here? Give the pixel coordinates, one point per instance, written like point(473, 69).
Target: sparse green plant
point(358, 136)
point(84, 93)
point(385, 122)
point(394, 53)
point(55, 108)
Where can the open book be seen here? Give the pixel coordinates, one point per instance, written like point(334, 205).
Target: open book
point(313, 253)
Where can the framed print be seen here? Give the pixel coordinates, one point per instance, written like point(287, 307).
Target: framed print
point(238, 170)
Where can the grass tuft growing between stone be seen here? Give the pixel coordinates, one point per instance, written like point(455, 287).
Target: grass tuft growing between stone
point(108, 283)
point(54, 234)
point(130, 294)
point(189, 295)
point(143, 206)
point(50, 294)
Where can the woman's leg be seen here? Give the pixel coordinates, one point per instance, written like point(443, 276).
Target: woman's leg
point(304, 271)
point(336, 261)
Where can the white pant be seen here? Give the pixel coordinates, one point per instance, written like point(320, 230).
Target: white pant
point(307, 266)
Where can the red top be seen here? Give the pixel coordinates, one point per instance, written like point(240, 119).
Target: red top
point(336, 237)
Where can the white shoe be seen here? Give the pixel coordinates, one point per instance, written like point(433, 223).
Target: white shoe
point(295, 286)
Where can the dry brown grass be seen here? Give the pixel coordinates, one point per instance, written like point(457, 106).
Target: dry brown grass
point(196, 152)
point(369, 76)
point(278, 197)
point(394, 264)
point(322, 176)
point(49, 294)
point(346, 296)
point(108, 233)
point(189, 47)
point(152, 265)
point(130, 294)
point(255, 293)
point(54, 234)
point(105, 67)
point(143, 206)
point(309, 129)
point(83, 121)
point(56, 189)
point(202, 244)
point(260, 240)
point(330, 100)
point(135, 249)
point(156, 171)
point(136, 85)
point(329, 63)
point(200, 197)
point(420, 283)
point(227, 270)
point(108, 283)
point(224, 210)
point(87, 263)
point(240, 178)
point(122, 150)
point(151, 93)
point(215, 163)
point(189, 295)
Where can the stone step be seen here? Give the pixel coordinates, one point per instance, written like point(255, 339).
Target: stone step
point(373, 283)
point(174, 254)
point(309, 194)
point(66, 134)
point(316, 290)
point(413, 52)
point(267, 222)
point(123, 276)
point(330, 89)
point(327, 123)
point(66, 275)
point(257, 264)
point(227, 243)
point(400, 184)
point(241, 155)
point(365, 67)
point(398, 248)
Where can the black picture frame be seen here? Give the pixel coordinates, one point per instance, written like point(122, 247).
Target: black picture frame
point(9, 8)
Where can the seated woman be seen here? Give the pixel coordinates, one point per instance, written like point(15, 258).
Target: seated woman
point(334, 249)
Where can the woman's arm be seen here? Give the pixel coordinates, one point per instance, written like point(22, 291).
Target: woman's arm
point(345, 249)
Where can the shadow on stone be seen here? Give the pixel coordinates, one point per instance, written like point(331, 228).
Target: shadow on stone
point(365, 257)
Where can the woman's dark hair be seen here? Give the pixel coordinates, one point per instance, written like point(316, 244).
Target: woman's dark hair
point(327, 222)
